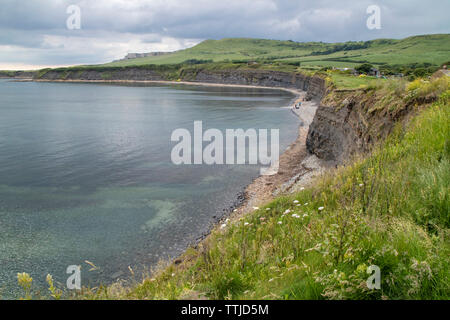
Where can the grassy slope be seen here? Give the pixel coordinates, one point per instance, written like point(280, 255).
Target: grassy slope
point(390, 209)
point(430, 48)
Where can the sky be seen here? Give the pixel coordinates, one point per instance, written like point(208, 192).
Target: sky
point(35, 34)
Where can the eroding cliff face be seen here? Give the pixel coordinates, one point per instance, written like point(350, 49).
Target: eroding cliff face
point(350, 122)
point(314, 85)
point(16, 74)
point(336, 133)
point(137, 74)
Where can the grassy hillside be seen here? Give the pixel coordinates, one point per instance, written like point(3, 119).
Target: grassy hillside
point(414, 57)
point(429, 49)
point(390, 209)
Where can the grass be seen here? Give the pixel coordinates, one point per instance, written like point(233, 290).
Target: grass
point(414, 57)
point(390, 209)
point(347, 81)
point(431, 49)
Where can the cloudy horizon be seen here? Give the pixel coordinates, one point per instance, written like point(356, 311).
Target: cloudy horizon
point(34, 34)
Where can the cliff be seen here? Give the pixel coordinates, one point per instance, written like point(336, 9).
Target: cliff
point(314, 85)
point(350, 122)
point(17, 74)
point(345, 125)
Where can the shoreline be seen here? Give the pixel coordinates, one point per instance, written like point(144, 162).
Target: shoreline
point(297, 167)
point(293, 171)
point(166, 82)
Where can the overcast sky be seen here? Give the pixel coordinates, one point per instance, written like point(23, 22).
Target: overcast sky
point(34, 34)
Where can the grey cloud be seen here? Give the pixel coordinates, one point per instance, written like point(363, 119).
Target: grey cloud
point(113, 27)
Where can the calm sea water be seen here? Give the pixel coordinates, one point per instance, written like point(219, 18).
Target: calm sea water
point(86, 174)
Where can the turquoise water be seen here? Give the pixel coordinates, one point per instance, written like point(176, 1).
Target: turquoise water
point(86, 174)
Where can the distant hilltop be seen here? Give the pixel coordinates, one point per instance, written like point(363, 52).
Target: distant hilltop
point(416, 52)
point(130, 56)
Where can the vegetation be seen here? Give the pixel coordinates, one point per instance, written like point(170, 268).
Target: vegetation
point(364, 68)
point(343, 80)
point(429, 49)
point(414, 57)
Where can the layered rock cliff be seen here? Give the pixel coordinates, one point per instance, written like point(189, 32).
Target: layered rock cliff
point(350, 122)
point(314, 85)
point(17, 74)
point(137, 74)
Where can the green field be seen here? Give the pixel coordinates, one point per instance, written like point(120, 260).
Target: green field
point(429, 49)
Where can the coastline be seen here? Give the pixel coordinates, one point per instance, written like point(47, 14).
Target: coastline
point(189, 83)
point(295, 169)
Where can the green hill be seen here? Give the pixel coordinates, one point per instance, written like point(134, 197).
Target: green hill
point(428, 49)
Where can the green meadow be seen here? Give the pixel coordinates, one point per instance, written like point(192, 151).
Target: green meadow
point(429, 49)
